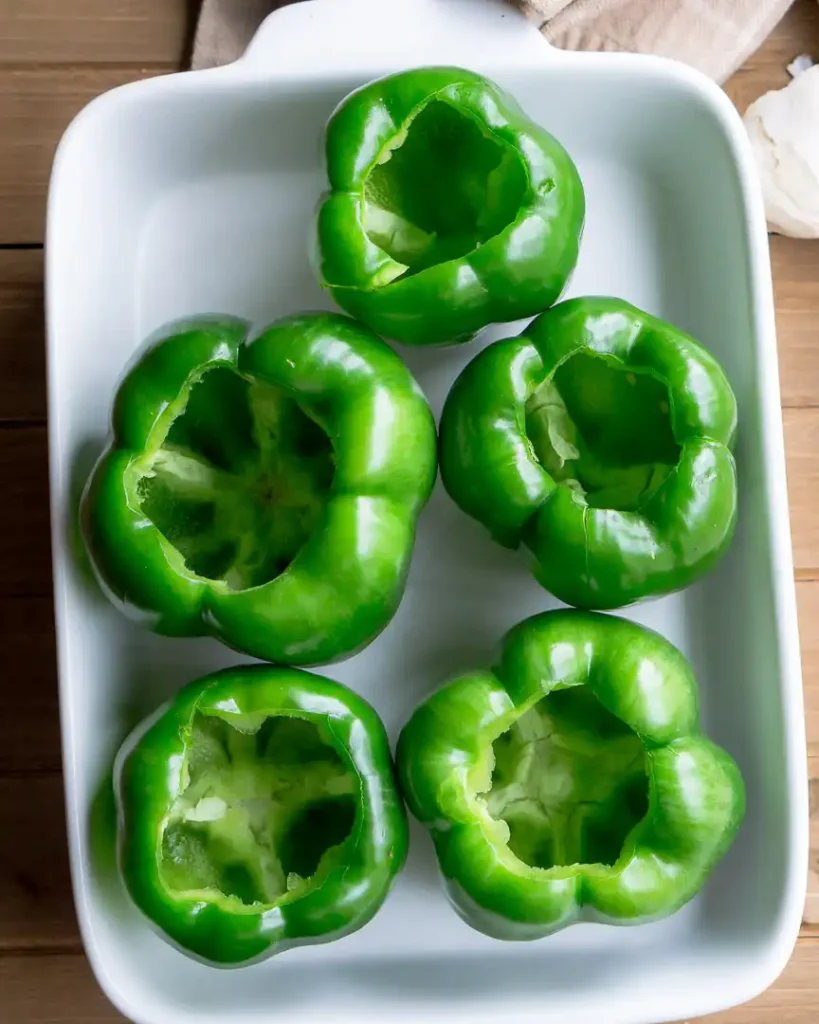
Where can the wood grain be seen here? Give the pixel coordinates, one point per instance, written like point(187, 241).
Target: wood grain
point(24, 515)
point(807, 596)
point(802, 448)
point(795, 265)
point(29, 724)
point(23, 457)
point(22, 331)
point(811, 914)
point(35, 885)
point(794, 999)
point(36, 106)
point(797, 33)
point(25, 559)
point(22, 340)
point(94, 31)
point(56, 55)
point(55, 989)
point(60, 989)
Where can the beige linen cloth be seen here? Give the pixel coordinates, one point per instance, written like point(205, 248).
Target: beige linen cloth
point(715, 36)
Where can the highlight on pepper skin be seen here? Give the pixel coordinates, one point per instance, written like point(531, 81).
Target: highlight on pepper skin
point(263, 491)
point(572, 781)
point(258, 811)
point(601, 439)
point(448, 208)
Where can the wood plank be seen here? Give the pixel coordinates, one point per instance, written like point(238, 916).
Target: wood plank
point(22, 343)
point(36, 105)
point(793, 999)
point(35, 885)
point(30, 723)
point(35, 108)
point(795, 262)
point(24, 556)
point(25, 572)
point(60, 988)
point(56, 989)
point(22, 336)
point(35, 888)
point(29, 730)
point(25, 559)
point(795, 265)
point(29, 743)
point(811, 915)
point(95, 31)
point(797, 33)
point(807, 596)
point(29, 735)
point(802, 447)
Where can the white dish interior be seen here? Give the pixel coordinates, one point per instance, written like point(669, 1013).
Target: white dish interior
point(196, 193)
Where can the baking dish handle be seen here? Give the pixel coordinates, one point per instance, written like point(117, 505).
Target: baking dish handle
point(336, 35)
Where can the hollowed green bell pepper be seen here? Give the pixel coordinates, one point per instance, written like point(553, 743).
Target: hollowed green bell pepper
point(264, 492)
point(572, 782)
point(258, 811)
point(448, 209)
point(601, 439)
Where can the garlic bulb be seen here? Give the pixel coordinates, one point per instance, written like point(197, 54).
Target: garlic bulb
point(783, 127)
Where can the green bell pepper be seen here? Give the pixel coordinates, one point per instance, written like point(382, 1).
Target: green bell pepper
point(601, 439)
point(571, 782)
point(264, 492)
point(448, 208)
point(258, 811)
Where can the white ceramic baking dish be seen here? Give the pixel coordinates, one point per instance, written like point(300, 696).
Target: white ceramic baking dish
point(195, 192)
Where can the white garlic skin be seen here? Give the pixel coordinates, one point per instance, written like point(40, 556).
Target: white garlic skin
point(783, 127)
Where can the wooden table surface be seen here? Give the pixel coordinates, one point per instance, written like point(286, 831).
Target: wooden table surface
point(55, 55)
